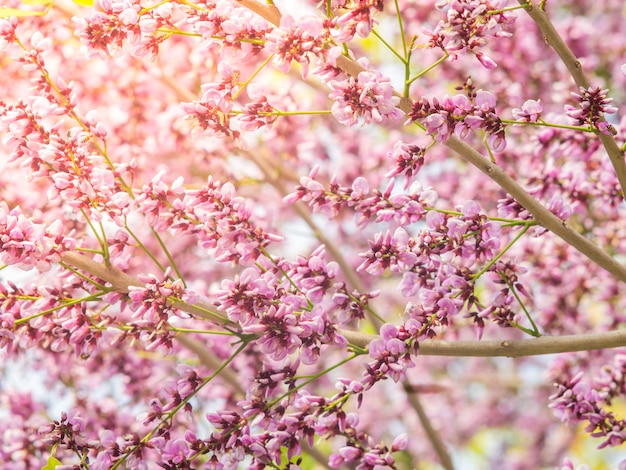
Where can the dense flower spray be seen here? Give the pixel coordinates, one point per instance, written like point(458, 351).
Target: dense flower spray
point(301, 234)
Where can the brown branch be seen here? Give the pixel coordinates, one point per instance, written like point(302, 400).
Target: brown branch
point(540, 213)
point(543, 216)
point(511, 348)
point(120, 281)
point(267, 11)
point(554, 39)
point(508, 348)
point(212, 362)
point(431, 432)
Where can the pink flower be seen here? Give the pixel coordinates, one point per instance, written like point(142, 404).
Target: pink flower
point(368, 98)
point(297, 41)
point(529, 112)
point(29, 244)
point(592, 103)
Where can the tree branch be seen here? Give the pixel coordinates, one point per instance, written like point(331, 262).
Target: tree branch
point(508, 348)
point(431, 432)
point(554, 39)
point(493, 171)
point(267, 11)
point(120, 281)
point(543, 216)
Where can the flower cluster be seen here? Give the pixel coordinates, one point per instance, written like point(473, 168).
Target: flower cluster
point(593, 103)
point(235, 33)
point(390, 352)
point(369, 205)
point(368, 453)
point(529, 112)
point(468, 26)
point(470, 236)
point(28, 244)
point(297, 41)
point(123, 25)
point(284, 321)
point(67, 433)
point(152, 306)
point(408, 158)
point(212, 111)
point(500, 309)
point(7, 32)
point(214, 214)
point(461, 115)
point(367, 98)
point(357, 19)
point(67, 157)
point(576, 400)
point(259, 112)
point(68, 325)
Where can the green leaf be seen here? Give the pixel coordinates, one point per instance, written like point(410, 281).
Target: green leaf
point(8, 12)
point(84, 3)
point(53, 462)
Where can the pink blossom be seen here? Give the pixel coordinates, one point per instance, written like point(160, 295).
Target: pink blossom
point(368, 97)
point(297, 41)
point(223, 281)
point(529, 112)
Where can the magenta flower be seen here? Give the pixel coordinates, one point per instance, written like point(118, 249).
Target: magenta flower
point(593, 103)
point(461, 115)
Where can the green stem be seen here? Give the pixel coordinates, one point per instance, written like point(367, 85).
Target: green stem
point(388, 46)
point(184, 402)
point(401, 31)
point(84, 277)
point(256, 72)
point(69, 303)
point(542, 123)
point(502, 252)
point(535, 330)
point(236, 112)
point(143, 247)
point(169, 257)
point(502, 10)
point(428, 69)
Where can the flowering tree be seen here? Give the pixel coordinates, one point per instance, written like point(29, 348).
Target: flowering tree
point(238, 234)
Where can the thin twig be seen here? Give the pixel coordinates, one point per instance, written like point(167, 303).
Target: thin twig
point(431, 432)
point(211, 361)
